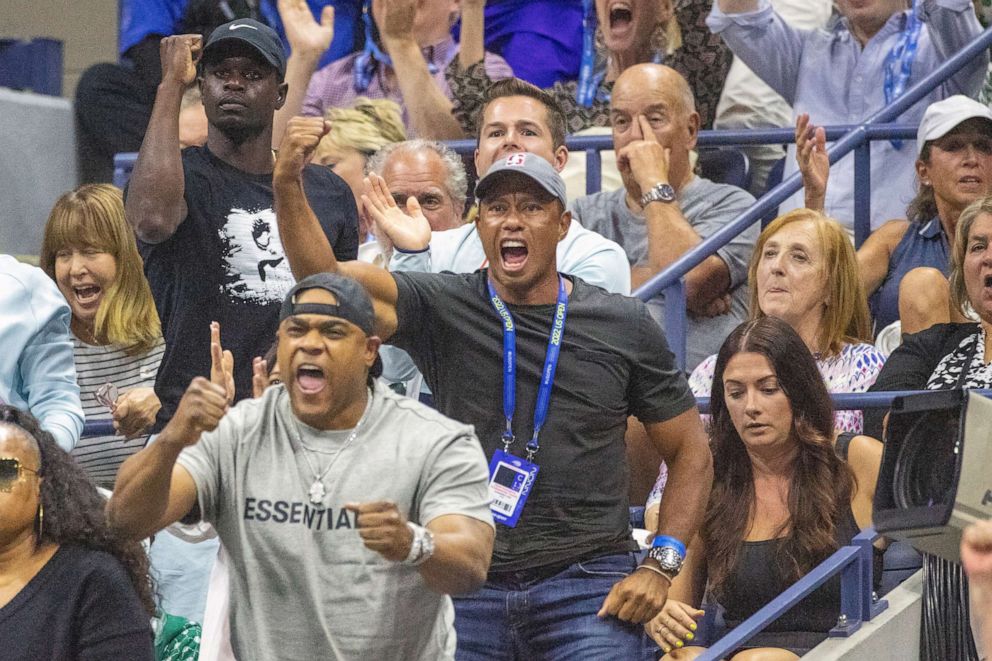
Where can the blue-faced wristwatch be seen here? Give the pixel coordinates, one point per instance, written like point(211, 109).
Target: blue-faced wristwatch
point(660, 192)
point(669, 553)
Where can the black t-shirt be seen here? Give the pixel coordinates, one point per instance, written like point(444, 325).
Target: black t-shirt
point(81, 605)
point(614, 362)
point(225, 263)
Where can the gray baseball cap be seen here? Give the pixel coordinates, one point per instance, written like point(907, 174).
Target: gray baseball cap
point(258, 36)
point(524, 164)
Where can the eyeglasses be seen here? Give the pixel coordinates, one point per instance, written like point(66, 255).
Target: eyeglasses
point(11, 472)
point(107, 395)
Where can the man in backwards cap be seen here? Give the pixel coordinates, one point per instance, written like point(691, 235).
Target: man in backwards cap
point(546, 368)
point(349, 512)
point(204, 216)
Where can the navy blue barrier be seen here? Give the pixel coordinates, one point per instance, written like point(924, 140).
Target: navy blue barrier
point(857, 601)
point(98, 428)
point(858, 139)
point(33, 65)
point(841, 401)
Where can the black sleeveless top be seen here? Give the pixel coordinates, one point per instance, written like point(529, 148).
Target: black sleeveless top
point(757, 579)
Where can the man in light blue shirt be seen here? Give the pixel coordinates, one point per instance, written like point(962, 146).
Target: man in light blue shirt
point(838, 76)
point(37, 372)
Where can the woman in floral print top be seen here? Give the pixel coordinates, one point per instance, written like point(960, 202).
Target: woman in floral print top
point(804, 272)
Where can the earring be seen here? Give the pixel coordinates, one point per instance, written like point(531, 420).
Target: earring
point(41, 520)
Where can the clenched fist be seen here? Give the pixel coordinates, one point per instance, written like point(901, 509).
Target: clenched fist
point(179, 54)
point(298, 145)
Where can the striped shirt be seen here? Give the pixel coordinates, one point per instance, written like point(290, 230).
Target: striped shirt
point(101, 456)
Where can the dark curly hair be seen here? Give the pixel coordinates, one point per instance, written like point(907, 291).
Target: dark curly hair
point(74, 509)
point(822, 484)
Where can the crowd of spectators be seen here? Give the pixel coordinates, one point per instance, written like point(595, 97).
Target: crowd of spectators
point(422, 432)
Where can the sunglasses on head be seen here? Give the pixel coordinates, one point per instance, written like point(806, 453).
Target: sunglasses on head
point(11, 471)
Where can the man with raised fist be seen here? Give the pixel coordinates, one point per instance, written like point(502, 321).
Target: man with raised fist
point(348, 512)
point(204, 215)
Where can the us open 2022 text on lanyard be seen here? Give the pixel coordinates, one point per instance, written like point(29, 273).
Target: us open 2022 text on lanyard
point(511, 478)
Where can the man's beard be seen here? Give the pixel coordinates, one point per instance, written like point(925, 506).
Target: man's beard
point(240, 134)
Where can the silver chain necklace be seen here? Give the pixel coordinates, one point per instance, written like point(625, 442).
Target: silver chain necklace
point(317, 491)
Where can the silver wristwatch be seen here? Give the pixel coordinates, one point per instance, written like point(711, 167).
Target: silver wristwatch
point(422, 547)
point(658, 193)
point(668, 559)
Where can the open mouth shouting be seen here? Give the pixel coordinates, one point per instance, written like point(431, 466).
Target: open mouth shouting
point(512, 254)
point(621, 15)
point(619, 20)
point(310, 379)
point(87, 295)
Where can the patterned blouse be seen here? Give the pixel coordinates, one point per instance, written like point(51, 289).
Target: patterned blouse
point(970, 352)
point(703, 59)
point(852, 370)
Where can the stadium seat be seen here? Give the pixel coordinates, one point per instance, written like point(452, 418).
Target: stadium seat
point(34, 65)
point(725, 166)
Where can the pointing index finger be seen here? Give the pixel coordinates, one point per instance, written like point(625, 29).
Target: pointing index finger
point(647, 133)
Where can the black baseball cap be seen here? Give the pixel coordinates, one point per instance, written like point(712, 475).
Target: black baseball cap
point(259, 36)
point(353, 304)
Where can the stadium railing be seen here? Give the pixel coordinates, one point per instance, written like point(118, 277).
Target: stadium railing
point(670, 281)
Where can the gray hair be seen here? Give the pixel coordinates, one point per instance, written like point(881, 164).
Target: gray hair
point(456, 183)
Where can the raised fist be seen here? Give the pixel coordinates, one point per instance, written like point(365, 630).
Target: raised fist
point(179, 54)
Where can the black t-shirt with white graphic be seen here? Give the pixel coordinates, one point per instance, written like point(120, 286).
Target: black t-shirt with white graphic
point(225, 263)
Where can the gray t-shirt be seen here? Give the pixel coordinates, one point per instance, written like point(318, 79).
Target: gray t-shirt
point(303, 585)
point(707, 206)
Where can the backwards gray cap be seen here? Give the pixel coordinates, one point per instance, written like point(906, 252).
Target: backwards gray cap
point(528, 165)
point(259, 36)
point(353, 304)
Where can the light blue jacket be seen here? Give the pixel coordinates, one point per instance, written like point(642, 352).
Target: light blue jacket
point(37, 372)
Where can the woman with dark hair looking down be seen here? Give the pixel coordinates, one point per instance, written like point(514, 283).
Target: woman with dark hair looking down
point(69, 587)
point(784, 496)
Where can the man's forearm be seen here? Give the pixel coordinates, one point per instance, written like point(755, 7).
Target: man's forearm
point(141, 492)
point(690, 477)
point(669, 237)
point(472, 46)
point(155, 204)
point(299, 69)
point(461, 558)
point(303, 240)
point(953, 25)
point(429, 108)
point(981, 617)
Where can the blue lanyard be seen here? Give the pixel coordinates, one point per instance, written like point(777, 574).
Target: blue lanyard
point(899, 61)
point(589, 80)
point(510, 365)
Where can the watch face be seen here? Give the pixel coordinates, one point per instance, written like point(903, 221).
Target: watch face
point(659, 193)
point(668, 558)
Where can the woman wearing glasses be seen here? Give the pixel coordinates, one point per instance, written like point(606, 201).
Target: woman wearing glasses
point(69, 588)
point(89, 251)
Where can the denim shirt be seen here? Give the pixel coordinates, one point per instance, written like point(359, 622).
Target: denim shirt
point(828, 74)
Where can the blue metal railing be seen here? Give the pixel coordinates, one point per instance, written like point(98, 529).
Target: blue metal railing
point(857, 138)
point(858, 603)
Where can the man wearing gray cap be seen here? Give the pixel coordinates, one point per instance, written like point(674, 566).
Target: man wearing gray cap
point(547, 369)
point(204, 217)
point(348, 511)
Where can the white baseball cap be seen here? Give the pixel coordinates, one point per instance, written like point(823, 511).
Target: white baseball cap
point(943, 116)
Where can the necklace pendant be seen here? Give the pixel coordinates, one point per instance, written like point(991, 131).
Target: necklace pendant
point(317, 493)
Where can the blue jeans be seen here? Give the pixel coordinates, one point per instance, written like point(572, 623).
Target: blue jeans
point(550, 618)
